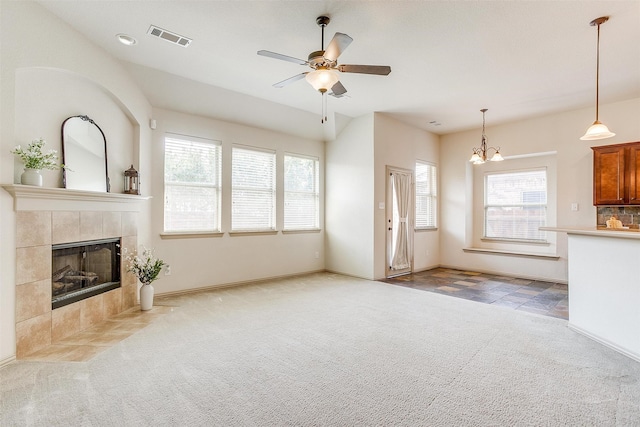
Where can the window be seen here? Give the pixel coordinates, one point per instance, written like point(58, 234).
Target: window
point(191, 184)
point(426, 191)
point(253, 193)
point(301, 193)
point(516, 205)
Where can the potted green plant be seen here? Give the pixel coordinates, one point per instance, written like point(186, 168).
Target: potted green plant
point(35, 159)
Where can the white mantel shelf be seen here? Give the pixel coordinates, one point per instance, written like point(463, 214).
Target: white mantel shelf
point(29, 197)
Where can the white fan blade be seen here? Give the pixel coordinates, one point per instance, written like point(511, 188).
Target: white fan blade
point(274, 55)
point(337, 45)
point(290, 80)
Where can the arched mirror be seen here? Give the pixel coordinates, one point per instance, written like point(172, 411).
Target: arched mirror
point(84, 154)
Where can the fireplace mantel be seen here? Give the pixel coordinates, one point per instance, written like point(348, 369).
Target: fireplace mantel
point(31, 198)
point(45, 217)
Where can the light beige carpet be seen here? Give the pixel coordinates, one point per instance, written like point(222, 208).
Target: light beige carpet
point(327, 350)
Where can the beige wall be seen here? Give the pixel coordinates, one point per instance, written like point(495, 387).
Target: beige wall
point(209, 261)
point(356, 186)
point(36, 47)
point(350, 200)
point(558, 133)
point(399, 145)
point(45, 97)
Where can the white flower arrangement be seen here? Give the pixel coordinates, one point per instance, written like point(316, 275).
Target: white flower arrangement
point(34, 158)
point(146, 267)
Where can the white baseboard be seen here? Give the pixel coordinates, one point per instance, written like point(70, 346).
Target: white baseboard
point(499, 273)
point(631, 354)
point(7, 360)
point(234, 284)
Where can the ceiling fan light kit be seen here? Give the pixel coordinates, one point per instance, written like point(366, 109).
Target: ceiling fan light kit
point(479, 155)
point(322, 79)
point(597, 130)
point(325, 75)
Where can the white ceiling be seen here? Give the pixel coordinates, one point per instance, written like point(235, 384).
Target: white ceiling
point(448, 59)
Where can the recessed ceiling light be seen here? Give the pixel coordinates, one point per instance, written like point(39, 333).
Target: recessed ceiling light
point(126, 39)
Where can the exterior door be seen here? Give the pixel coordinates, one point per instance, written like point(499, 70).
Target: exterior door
point(399, 221)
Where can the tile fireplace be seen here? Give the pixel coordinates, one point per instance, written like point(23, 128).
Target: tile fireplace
point(53, 218)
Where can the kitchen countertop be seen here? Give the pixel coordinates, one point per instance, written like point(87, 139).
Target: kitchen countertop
point(597, 231)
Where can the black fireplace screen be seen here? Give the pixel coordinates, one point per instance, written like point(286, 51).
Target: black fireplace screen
point(83, 269)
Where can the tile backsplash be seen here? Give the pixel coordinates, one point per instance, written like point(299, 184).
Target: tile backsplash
point(628, 215)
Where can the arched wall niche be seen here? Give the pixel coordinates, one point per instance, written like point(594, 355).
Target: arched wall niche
point(45, 97)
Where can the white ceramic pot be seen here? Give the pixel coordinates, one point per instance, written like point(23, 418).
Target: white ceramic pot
point(31, 177)
point(146, 297)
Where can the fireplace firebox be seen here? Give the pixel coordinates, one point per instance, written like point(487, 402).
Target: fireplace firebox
point(84, 269)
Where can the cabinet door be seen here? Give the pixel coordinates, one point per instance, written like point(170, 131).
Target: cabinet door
point(608, 175)
point(634, 175)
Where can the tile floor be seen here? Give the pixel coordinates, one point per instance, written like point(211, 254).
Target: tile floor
point(84, 345)
point(534, 296)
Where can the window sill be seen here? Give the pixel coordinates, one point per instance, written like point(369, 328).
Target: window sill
point(512, 253)
point(302, 230)
point(190, 234)
point(253, 233)
point(516, 242)
point(420, 230)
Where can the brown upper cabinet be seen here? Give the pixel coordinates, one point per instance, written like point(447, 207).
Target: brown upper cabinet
point(616, 174)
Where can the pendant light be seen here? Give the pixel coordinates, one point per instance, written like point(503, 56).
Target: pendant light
point(479, 155)
point(597, 130)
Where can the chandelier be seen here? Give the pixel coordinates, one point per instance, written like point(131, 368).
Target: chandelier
point(480, 154)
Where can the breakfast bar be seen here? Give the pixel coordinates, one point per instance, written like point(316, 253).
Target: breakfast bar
point(604, 286)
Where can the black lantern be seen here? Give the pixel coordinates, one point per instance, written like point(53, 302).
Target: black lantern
point(131, 181)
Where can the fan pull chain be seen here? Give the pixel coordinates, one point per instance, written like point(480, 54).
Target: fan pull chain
point(324, 95)
point(324, 109)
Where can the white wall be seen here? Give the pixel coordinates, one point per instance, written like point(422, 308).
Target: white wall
point(559, 132)
point(48, 73)
point(400, 145)
point(45, 97)
point(209, 261)
point(356, 185)
point(349, 212)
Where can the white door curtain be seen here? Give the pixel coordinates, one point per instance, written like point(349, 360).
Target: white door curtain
point(402, 187)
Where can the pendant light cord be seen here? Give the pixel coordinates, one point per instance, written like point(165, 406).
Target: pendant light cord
point(598, 74)
point(483, 125)
point(483, 142)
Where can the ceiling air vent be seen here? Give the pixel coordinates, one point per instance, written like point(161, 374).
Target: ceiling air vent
point(169, 36)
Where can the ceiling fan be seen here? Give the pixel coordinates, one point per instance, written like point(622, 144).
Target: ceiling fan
point(324, 63)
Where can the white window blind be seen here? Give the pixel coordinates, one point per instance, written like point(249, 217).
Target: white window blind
point(516, 205)
point(191, 184)
point(253, 194)
point(426, 195)
point(301, 193)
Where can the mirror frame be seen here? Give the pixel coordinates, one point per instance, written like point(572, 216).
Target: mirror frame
point(104, 139)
